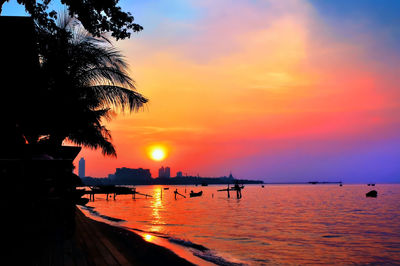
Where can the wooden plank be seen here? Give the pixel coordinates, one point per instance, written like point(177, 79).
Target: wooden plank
point(112, 250)
point(109, 252)
point(79, 256)
point(118, 256)
point(92, 252)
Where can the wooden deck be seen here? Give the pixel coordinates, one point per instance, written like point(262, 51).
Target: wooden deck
point(92, 243)
point(88, 246)
point(92, 247)
point(95, 243)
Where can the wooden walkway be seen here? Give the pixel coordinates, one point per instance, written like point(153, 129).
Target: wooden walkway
point(99, 244)
point(92, 243)
point(93, 248)
point(87, 247)
point(112, 190)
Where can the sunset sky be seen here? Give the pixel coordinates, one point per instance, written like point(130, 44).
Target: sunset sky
point(278, 90)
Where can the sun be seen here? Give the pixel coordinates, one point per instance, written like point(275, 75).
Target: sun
point(157, 153)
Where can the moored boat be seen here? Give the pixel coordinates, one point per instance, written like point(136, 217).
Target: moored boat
point(195, 194)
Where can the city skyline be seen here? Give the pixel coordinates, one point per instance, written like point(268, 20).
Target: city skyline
point(164, 171)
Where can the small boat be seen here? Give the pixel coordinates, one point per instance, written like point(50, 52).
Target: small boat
point(372, 194)
point(166, 188)
point(195, 194)
point(262, 186)
point(204, 184)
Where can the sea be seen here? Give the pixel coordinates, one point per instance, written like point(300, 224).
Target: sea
point(270, 225)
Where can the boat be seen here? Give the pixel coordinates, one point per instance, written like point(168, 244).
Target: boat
point(204, 184)
point(195, 194)
point(372, 194)
point(166, 188)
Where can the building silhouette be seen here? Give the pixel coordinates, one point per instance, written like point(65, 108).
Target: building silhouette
point(164, 172)
point(230, 175)
point(161, 172)
point(179, 174)
point(167, 172)
point(81, 169)
point(129, 176)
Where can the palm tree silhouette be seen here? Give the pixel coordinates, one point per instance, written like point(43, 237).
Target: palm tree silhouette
point(83, 81)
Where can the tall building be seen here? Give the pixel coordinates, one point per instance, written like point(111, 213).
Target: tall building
point(167, 172)
point(161, 172)
point(164, 172)
point(81, 170)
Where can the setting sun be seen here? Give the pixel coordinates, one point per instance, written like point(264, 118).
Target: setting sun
point(157, 153)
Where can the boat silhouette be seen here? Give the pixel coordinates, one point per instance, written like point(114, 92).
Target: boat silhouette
point(195, 194)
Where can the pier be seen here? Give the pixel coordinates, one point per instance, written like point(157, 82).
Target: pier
point(113, 190)
point(238, 188)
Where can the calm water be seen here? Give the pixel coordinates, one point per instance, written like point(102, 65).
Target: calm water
point(278, 224)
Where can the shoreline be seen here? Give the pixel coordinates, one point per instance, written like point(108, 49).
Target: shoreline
point(125, 238)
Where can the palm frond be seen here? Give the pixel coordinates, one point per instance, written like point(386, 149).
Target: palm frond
point(118, 97)
point(94, 137)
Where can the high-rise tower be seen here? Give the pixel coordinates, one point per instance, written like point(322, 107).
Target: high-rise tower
point(81, 170)
point(167, 172)
point(161, 172)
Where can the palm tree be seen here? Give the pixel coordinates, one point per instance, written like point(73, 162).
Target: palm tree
point(83, 80)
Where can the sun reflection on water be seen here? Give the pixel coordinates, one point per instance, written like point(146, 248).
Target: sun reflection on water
point(148, 238)
point(157, 207)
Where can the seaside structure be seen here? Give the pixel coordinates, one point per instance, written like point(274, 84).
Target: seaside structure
point(33, 180)
point(81, 170)
point(179, 174)
point(18, 57)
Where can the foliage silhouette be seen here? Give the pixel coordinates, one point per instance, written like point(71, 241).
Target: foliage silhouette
point(96, 16)
point(83, 79)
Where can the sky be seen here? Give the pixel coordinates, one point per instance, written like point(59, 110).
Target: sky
point(281, 91)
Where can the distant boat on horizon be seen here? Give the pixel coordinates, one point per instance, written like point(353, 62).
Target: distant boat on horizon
point(204, 184)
